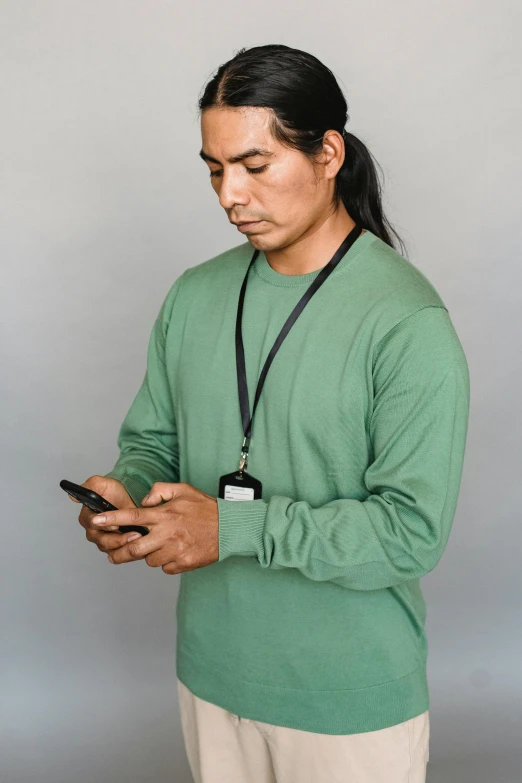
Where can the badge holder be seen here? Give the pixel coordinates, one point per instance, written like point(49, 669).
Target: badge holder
point(240, 485)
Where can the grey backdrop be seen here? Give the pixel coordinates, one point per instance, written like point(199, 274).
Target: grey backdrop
point(104, 202)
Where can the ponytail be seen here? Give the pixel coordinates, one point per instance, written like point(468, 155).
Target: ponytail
point(359, 188)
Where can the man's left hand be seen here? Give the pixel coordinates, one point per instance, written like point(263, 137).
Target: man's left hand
point(184, 531)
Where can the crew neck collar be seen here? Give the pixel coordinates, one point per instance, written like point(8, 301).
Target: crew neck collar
point(262, 268)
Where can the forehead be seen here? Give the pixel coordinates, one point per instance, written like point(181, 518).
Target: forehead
point(225, 130)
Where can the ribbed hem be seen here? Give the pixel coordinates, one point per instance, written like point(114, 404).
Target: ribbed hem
point(321, 711)
point(241, 524)
point(135, 486)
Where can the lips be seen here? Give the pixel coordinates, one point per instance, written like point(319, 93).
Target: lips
point(244, 227)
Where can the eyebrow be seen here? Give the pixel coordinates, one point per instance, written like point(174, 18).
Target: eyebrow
point(237, 158)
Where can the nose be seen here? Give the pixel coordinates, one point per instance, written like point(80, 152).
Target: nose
point(232, 190)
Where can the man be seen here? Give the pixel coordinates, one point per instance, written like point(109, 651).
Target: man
point(301, 652)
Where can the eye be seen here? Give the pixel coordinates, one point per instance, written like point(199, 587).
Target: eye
point(258, 170)
point(250, 171)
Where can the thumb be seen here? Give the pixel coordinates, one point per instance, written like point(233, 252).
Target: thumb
point(160, 491)
point(152, 499)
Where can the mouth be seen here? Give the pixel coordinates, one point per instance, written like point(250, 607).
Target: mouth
point(248, 226)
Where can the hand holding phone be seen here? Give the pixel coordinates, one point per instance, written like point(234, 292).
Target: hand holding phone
point(97, 503)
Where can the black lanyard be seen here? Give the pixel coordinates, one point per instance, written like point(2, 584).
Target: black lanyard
point(292, 318)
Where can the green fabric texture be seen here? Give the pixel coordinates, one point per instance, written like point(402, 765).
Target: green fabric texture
point(313, 617)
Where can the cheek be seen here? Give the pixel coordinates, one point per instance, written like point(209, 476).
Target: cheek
point(300, 182)
point(295, 205)
point(288, 190)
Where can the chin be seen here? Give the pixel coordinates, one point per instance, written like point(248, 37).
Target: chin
point(257, 240)
point(264, 240)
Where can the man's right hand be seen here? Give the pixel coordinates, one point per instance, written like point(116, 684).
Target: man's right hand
point(113, 491)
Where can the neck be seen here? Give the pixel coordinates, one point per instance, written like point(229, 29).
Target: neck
point(314, 248)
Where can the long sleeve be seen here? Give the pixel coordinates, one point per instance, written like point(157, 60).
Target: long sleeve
point(418, 431)
point(147, 438)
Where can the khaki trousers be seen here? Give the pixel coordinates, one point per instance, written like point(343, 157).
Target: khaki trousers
point(224, 748)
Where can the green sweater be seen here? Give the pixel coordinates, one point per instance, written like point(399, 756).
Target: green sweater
point(313, 617)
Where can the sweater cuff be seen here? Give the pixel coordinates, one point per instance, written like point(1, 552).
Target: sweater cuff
point(241, 524)
point(136, 487)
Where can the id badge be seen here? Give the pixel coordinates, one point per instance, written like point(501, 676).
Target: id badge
point(239, 486)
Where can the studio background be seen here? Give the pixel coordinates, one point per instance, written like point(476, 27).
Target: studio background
point(103, 203)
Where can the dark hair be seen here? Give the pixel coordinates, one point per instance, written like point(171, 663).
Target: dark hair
point(306, 101)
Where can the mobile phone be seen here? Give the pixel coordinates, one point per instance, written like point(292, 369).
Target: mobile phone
point(98, 504)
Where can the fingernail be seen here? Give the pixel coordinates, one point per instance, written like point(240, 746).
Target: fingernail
point(133, 536)
point(98, 520)
point(109, 558)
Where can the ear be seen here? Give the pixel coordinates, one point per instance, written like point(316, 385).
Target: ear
point(333, 153)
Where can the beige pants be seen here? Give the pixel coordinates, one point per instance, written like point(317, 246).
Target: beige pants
point(224, 748)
